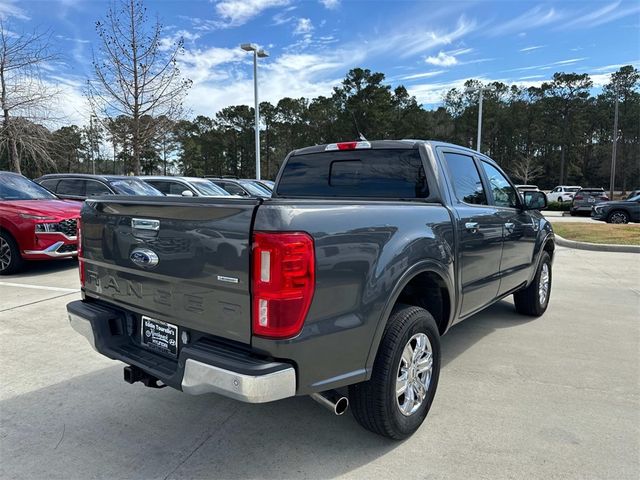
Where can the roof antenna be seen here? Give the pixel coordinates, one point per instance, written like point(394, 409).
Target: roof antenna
point(355, 124)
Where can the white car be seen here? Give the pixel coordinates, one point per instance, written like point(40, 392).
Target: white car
point(563, 193)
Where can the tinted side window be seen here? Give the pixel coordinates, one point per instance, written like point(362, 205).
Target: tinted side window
point(95, 188)
point(71, 186)
point(50, 184)
point(504, 195)
point(466, 179)
point(232, 188)
point(356, 173)
point(160, 185)
point(176, 188)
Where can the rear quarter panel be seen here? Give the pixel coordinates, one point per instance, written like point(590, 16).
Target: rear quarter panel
point(363, 249)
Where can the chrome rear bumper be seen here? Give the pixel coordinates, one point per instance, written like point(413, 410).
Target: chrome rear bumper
point(250, 380)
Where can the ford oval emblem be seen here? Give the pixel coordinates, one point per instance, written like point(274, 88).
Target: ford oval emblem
point(143, 257)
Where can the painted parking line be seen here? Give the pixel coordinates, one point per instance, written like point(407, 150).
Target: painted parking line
point(38, 287)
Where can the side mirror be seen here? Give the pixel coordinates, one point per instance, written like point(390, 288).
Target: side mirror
point(534, 200)
point(187, 193)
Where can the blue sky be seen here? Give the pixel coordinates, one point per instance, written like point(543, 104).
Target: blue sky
point(427, 46)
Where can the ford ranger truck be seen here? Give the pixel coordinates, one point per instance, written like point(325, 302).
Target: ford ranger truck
point(339, 286)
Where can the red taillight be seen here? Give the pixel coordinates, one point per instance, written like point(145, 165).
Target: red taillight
point(283, 282)
point(347, 146)
point(578, 197)
point(80, 260)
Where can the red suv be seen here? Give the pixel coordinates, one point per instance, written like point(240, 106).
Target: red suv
point(34, 223)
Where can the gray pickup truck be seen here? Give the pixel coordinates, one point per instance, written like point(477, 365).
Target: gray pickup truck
point(343, 281)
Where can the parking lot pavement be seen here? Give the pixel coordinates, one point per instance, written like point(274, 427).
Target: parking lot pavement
point(558, 217)
point(553, 397)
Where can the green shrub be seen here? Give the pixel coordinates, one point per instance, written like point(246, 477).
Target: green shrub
point(559, 206)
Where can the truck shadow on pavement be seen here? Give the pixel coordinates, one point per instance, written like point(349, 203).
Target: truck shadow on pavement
point(95, 425)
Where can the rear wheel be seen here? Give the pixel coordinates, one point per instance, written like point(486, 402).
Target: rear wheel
point(618, 216)
point(397, 398)
point(534, 299)
point(10, 259)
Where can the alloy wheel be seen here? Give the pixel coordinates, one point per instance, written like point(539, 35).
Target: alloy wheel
point(5, 254)
point(414, 374)
point(543, 286)
point(618, 217)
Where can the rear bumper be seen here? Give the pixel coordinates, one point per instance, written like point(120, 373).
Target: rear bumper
point(201, 367)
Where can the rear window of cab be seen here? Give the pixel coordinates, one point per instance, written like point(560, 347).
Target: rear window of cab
point(392, 173)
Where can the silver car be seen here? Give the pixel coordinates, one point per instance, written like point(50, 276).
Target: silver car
point(185, 186)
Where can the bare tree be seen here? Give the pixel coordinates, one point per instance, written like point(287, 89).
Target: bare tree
point(526, 169)
point(25, 99)
point(136, 73)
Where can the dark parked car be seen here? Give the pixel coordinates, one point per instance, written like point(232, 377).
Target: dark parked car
point(346, 278)
point(243, 188)
point(618, 211)
point(585, 198)
point(633, 193)
point(34, 223)
point(80, 186)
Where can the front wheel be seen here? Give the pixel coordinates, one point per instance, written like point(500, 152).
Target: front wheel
point(534, 299)
point(10, 258)
point(618, 216)
point(397, 398)
point(560, 199)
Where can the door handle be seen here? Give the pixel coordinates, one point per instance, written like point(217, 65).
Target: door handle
point(472, 227)
point(510, 226)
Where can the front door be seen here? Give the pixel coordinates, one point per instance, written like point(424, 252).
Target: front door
point(479, 232)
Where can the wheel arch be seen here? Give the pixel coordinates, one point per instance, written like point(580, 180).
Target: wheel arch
point(435, 276)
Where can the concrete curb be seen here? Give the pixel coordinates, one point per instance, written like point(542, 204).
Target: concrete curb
point(598, 247)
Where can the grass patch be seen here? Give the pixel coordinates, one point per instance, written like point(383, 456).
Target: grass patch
point(599, 232)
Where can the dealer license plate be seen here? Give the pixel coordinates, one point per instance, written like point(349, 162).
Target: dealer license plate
point(159, 336)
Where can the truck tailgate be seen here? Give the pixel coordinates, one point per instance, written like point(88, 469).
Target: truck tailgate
point(201, 275)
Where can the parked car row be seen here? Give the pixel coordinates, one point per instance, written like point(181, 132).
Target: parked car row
point(38, 219)
point(79, 186)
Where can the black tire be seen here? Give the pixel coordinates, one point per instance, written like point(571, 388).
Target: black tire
point(374, 403)
point(618, 216)
point(572, 213)
point(560, 199)
point(527, 301)
point(10, 259)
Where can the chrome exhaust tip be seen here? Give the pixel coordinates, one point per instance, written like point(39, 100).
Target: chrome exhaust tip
point(332, 400)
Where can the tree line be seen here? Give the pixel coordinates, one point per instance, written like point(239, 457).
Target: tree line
point(559, 132)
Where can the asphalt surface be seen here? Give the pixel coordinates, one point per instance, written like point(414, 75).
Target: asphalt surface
point(553, 397)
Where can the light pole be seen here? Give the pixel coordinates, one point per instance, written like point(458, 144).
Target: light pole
point(480, 91)
point(614, 148)
point(257, 53)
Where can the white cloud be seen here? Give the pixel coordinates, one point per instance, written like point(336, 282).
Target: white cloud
point(532, 48)
point(416, 76)
point(304, 25)
point(8, 9)
point(547, 66)
point(442, 60)
point(330, 4)
point(536, 17)
point(606, 14)
point(239, 12)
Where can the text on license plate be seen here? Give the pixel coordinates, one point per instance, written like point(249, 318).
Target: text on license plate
point(159, 336)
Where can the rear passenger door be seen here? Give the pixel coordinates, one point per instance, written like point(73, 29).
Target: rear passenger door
point(519, 229)
point(479, 232)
